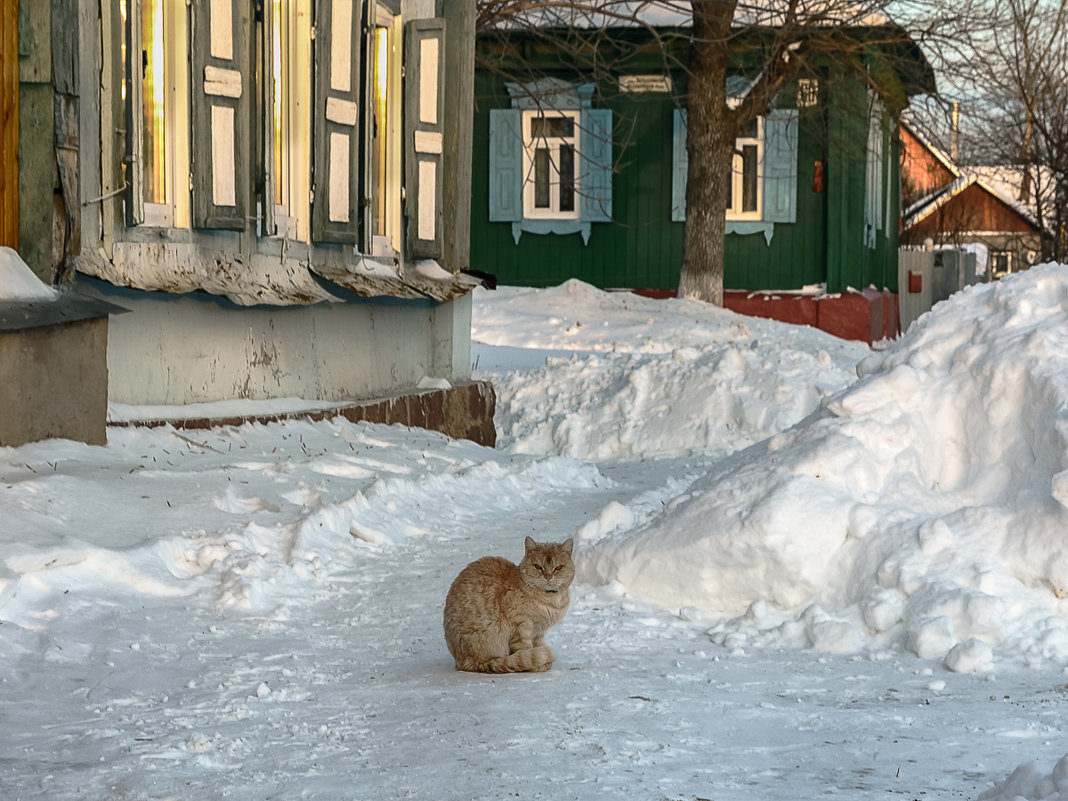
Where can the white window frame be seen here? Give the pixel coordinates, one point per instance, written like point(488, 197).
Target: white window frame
point(175, 211)
point(530, 146)
point(738, 176)
point(388, 196)
point(293, 96)
point(1009, 262)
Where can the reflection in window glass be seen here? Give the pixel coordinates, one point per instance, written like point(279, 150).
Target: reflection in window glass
point(155, 91)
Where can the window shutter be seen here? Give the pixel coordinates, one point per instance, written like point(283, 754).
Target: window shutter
point(267, 178)
point(135, 168)
point(220, 114)
point(595, 180)
point(780, 166)
point(680, 162)
point(424, 111)
point(506, 165)
point(335, 120)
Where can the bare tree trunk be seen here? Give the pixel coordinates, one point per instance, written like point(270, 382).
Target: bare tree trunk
point(709, 148)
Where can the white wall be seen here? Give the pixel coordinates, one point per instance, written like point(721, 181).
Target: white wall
point(193, 349)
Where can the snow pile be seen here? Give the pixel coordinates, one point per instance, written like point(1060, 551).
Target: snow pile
point(255, 531)
point(1027, 783)
point(633, 376)
point(18, 282)
point(924, 509)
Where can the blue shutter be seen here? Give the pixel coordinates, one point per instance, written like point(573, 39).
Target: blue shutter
point(680, 163)
point(780, 166)
point(506, 165)
point(595, 179)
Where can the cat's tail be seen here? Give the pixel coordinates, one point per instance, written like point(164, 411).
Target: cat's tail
point(535, 660)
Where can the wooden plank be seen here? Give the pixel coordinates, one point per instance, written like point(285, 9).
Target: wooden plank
point(9, 123)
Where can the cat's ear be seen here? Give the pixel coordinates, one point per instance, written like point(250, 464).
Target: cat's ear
point(530, 544)
point(568, 546)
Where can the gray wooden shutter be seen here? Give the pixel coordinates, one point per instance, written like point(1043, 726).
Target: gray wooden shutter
point(266, 177)
point(780, 166)
point(680, 163)
point(135, 130)
point(505, 165)
point(220, 114)
point(595, 181)
point(424, 113)
point(335, 120)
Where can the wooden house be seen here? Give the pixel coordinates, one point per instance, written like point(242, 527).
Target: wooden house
point(577, 175)
point(268, 187)
point(950, 206)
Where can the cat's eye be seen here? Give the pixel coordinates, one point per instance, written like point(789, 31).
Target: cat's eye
point(558, 568)
point(538, 567)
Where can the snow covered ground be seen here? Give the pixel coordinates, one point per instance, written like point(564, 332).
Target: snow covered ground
point(792, 583)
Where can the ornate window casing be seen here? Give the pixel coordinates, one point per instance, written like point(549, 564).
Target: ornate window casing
point(550, 160)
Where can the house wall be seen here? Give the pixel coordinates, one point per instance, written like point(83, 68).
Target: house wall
point(220, 315)
point(180, 349)
point(9, 123)
point(642, 248)
point(973, 209)
point(36, 145)
point(922, 173)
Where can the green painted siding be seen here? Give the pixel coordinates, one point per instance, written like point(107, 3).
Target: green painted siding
point(642, 247)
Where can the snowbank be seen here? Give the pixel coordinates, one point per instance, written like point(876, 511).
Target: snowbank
point(923, 509)
point(1030, 784)
point(633, 376)
point(18, 282)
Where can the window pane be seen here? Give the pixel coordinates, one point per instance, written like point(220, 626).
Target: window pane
point(541, 178)
point(279, 98)
point(380, 140)
point(567, 178)
point(749, 178)
point(544, 127)
point(751, 130)
point(155, 89)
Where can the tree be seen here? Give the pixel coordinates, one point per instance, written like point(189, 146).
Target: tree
point(1008, 82)
point(771, 42)
point(1015, 100)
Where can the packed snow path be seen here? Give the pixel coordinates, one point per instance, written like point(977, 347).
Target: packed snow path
point(265, 623)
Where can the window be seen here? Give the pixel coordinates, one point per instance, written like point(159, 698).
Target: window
point(550, 164)
point(763, 187)
point(289, 123)
point(550, 160)
point(1000, 263)
point(289, 117)
point(153, 31)
point(745, 191)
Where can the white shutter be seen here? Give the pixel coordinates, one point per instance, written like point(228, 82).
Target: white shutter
point(424, 133)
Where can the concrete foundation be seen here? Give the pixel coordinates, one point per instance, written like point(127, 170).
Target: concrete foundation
point(463, 411)
point(54, 383)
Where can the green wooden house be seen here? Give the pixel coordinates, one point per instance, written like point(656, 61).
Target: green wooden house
point(576, 176)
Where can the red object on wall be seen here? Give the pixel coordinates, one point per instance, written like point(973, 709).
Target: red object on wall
point(915, 282)
point(817, 176)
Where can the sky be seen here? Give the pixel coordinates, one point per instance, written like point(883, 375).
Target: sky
point(806, 568)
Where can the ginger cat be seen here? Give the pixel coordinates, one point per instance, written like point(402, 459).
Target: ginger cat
point(497, 613)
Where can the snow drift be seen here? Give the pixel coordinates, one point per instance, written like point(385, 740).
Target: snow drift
point(922, 508)
point(633, 376)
